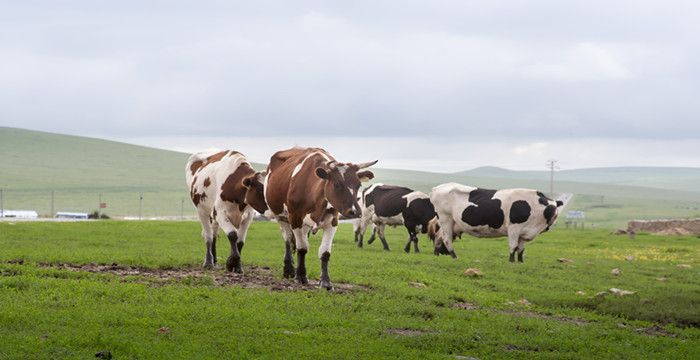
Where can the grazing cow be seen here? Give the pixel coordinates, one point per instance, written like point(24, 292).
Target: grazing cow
point(306, 189)
point(226, 192)
point(520, 214)
point(393, 205)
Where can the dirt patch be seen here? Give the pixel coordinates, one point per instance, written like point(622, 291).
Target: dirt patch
point(655, 331)
point(408, 332)
point(465, 305)
point(252, 277)
point(560, 318)
point(665, 227)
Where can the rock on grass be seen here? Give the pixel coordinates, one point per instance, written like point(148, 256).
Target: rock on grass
point(473, 272)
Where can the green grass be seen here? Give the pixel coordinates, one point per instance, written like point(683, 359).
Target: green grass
point(54, 313)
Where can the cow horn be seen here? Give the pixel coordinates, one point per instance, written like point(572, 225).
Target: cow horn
point(367, 164)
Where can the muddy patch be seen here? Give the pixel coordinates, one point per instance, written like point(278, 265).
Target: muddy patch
point(655, 331)
point(253, 277)
point(464, 305)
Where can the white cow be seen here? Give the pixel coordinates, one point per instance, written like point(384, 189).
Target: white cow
point(519, 214)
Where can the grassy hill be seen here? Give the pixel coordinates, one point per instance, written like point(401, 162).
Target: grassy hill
point(78, 170)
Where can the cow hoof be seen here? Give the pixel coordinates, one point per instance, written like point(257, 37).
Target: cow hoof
point(325, 284)
point(407, 250)
point(371, 240)
point(208, 266)
point(452, 253)
point(289, 272)
point(417, 251)
point(387, 249)
point(233, 265)
point(511, 258)
point(302, 279)
point(359, 244)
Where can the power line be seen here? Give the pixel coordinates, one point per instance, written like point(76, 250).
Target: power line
point(552, 165)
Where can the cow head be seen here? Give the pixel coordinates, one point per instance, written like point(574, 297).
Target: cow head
point(342, 181)
point(255, 194)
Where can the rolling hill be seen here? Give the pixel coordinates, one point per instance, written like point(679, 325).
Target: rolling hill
point(80, 171)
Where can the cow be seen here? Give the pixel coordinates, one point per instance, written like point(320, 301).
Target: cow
point(393, 205)
point(519, 214)
point(306, 189)
point(226, 192)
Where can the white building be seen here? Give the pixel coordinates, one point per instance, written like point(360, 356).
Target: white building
point(21, 214)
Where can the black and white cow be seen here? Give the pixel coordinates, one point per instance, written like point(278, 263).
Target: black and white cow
point(393, 205)
point(520, 214)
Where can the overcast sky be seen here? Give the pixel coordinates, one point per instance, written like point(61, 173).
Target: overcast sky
point(434, 85)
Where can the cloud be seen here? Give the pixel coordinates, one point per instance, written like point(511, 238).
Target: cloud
point(534, 148)
point(452, 72)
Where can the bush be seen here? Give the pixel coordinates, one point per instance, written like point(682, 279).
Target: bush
point(97, 215)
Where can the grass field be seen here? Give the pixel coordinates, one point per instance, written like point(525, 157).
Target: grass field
point(389, 304)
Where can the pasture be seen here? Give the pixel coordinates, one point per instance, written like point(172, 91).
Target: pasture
point(135, 289)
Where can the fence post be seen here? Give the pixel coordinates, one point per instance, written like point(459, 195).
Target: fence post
point(140, 204)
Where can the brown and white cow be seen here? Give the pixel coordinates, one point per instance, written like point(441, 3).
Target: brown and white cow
point(226, 192)
point(306, 189)
point(519, 214)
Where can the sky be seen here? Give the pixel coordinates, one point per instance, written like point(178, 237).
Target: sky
point(428, 85)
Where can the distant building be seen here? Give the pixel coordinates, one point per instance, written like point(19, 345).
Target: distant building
point(71, 215)
point(21, 214)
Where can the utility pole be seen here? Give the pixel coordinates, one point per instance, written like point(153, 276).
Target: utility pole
point(552, 165)
point(140, 204)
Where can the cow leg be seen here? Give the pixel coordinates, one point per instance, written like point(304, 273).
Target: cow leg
point(288, 246)
point(302, 241)
point(445, 246)
point(380, 231)
point(208, 236)
point(415, 243)
point(407, 248)
point(246, 220)
point(513, 238)
point(359, 233)
point(374, 234)
point(324, 252)
point(521, 249)
point(225, 217)
point(214, 235)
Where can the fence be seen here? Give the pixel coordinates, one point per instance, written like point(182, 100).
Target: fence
point(117, 204)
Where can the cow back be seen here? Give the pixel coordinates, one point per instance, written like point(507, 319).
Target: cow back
point(388, 200)
point(291, 178)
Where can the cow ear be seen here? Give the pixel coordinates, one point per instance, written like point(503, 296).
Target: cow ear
point(559, 203)
point(365, 175)
point(248, 181)
point(322, 173)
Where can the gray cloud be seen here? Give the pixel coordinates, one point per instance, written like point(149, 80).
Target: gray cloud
point(532, 70)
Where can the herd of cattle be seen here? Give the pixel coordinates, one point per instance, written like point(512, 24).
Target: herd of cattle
point(306, 190)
